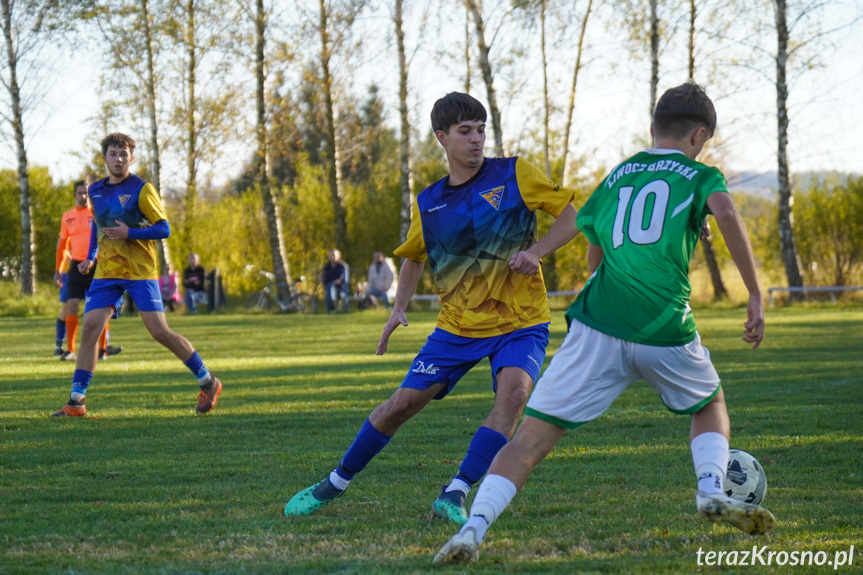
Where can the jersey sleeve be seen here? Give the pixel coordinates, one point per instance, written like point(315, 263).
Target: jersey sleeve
point(151, 204)
point(584, 220)
point(414, 247)
point(539, 192)
point(62, 244)
point(712, 180)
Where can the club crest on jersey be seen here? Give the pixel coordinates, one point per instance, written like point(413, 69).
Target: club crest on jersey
point(493, 196)
point(124, 198)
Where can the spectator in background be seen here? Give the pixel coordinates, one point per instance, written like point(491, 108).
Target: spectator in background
point(168, 288)
point(379, 280)
point(193, 282)
point(333, 279)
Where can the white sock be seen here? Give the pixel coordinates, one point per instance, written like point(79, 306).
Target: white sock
point(492, 497)
point(338, 481)
point(458, 485)
point(710, 458)
point(75, 396)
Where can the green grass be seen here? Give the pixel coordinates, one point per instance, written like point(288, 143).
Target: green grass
point(148, 487)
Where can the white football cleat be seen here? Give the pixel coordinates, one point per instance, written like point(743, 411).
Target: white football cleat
point(463, 547)
point(719, 508)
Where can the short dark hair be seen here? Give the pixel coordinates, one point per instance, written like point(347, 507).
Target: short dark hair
point(118, 140)
point(456, 107)
point(79, 183)
point(682, 109)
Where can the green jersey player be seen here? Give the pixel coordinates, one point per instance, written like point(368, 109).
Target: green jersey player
point(633, 322)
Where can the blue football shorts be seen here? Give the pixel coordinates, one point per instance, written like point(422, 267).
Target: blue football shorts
point(64, 287)
point(446, 357)
point(109, 293)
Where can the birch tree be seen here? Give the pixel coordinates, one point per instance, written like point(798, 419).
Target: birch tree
point(719, 291)
point(137, 57)
point(28, 27)
point(786, 218)
point(484, 47)
point(404, 123)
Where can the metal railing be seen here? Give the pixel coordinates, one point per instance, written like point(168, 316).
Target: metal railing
point(832, 290)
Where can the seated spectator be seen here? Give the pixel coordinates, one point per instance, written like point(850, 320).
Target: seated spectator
point(168, 288)
point(193, 282)
point(379, 281)
point(333, 279)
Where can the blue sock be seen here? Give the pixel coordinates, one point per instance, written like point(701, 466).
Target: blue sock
point(368, 443)
point(196, 366)
point(483, 447)
point(81, 381)
point(61, 332)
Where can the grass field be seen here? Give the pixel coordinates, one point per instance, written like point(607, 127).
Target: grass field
point(148, 487)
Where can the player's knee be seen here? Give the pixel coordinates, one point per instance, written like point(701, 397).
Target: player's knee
point(513, 398)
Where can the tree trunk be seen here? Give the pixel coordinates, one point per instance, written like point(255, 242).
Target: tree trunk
point(786, 217)
point(191, 127)
point(719, 291)
point(405, 135)
point(271, 207)
point(341, 227)
point(467, 49)
point(487, 76)
point(654, 55)
point(545, 104)
point(28, 233)
point(150, 96)
point(564, 177)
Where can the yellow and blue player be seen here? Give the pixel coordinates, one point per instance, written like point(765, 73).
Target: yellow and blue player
point(477, 229)
point(128, 220)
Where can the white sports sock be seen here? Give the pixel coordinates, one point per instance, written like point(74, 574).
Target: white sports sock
point(338, 481)
point(458, 485)
point(75, 396)
point(710, 458)
point(493, 496)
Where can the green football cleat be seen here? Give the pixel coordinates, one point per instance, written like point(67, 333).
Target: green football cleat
point(450, 506)
point(312, 498)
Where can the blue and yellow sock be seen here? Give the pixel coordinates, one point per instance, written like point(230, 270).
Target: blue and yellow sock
point(80, 382)
point(483, 447)
point(61, 332)
point(368, 443)
point(197, 367)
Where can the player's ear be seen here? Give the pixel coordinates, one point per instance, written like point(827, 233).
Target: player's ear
point(441, 137)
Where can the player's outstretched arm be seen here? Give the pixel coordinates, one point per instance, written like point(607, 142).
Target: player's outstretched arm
point(409, 277)
point(559, 234)
point(737, 239)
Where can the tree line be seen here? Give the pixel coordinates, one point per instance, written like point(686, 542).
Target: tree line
point(325, 165)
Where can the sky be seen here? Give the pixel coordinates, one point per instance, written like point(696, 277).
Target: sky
point(611, 108)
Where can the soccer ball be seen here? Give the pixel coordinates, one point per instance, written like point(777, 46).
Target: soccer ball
point(745, 479)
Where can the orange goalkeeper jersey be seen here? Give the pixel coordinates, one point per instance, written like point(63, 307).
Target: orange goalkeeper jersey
point(74, 236)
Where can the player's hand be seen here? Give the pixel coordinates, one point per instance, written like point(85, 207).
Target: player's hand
point(84, 267)
point(121, 232)
point(753, 331)
point(525, 262)
point(58, 278)
point(705, 231)
point(396, 319)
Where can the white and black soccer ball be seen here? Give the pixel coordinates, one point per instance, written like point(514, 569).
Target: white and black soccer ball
point(745, 479)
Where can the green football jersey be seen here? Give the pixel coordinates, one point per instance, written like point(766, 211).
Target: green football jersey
point(646, 216)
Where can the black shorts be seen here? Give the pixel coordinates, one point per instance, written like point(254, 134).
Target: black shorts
point(79, 284)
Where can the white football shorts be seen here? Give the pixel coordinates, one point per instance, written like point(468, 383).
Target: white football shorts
point(591, 369)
